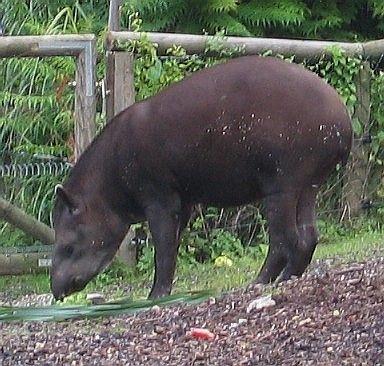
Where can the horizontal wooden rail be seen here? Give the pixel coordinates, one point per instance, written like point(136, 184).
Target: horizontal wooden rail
point(52, 45)
point(301, 49)
point(17, 264)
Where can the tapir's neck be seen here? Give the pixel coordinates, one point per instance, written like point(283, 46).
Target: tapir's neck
point(95, 177)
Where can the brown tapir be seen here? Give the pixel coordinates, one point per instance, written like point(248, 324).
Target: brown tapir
point(249, 129)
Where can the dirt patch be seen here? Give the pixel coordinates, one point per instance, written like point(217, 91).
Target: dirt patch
point(329, 317)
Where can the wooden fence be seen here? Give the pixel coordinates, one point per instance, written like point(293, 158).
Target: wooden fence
point(301, 49)
point(82, 47)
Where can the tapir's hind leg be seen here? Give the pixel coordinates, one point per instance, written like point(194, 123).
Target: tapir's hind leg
point(306, 224)
point(308, 235)
point(283, 233)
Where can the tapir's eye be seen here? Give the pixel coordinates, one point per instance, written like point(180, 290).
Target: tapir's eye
point(68, 250)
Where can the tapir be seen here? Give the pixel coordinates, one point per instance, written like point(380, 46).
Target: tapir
point(253, 128)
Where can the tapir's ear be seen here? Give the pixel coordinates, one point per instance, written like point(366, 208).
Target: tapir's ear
point(68, 199)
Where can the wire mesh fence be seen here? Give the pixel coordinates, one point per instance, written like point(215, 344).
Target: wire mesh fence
point(34, 169)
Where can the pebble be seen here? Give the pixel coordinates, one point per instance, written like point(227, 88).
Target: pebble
point(260, 303)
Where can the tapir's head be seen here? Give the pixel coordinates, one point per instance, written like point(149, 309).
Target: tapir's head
point(87, 236)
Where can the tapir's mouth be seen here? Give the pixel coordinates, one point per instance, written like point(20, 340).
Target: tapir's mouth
point(62, 290)
point(63, 284)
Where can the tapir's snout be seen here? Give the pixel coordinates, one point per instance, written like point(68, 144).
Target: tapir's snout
point(62, 286)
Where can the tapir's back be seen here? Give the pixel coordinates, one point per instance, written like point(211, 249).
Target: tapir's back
point(243, 128)
point(246, 88)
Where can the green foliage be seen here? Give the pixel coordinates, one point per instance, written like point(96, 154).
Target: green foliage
point(152, 74)
point(145, 263)
point(36, 103)
point(217, 232)
point(203, 241)
point(340, 72)
point(19, 285)
point(35, 120)
point(262, 15)
point(377, 116)
point(327, 19)
point(196, 248)
point(54, 16)
point(29, 98)
point(349, 244)
point(183, 16)
point(204, 247)
point(376, 148)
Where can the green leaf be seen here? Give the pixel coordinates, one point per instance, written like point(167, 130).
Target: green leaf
point(221, 6)
point(154, 71)
point(119, 307)
point(357, 127)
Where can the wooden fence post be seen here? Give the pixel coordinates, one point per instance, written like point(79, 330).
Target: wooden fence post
point(120, 95)
point(85, 98)
point(114, 15)
point(119, 82)
point(354, 188)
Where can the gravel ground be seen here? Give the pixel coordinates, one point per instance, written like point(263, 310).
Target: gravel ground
point(331, 316)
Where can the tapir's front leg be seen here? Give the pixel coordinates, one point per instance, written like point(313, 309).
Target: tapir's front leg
point(166, 222)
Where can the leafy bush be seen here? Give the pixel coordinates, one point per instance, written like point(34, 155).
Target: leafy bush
point(326, 19)
point(36, 104)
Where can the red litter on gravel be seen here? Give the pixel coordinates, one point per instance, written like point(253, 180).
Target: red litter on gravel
point(201, 333)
